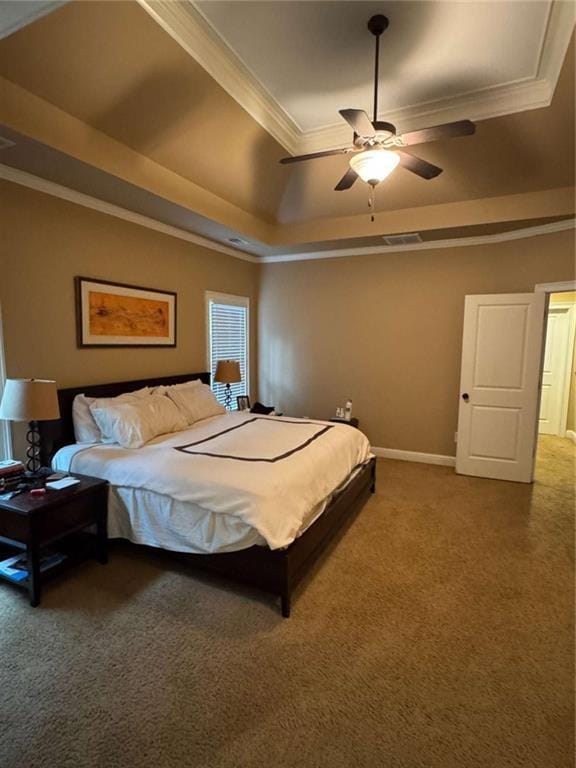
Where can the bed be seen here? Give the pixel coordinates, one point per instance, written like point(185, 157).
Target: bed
point(254, 498)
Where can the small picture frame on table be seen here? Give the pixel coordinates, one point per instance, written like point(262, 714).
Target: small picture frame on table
point(243, 403)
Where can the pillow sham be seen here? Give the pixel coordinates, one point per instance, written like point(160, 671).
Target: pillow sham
point(195, 402)
point(135, 422)
point(85, 428)
point(163, 389)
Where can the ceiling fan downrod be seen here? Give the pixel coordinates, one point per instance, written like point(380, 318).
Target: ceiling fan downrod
point(377, 25)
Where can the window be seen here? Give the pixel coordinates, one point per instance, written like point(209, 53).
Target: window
point(228, 331)
point(5, 441)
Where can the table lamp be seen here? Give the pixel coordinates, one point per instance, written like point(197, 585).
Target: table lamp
point(30, 400)
point(228, 372)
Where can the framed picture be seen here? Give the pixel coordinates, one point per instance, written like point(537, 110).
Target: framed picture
point(119, 315)
point(243, 403)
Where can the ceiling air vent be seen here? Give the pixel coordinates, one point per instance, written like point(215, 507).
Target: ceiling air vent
point(5, 143)
point(408, 239)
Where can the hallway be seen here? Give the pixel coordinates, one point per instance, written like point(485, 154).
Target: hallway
point(555, 472)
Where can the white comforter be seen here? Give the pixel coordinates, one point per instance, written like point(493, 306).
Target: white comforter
point(267, 471)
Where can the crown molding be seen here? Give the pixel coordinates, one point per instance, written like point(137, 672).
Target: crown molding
point(25, 179)
point(481, 105)
point(192, 31)
point(428, 245)
point(184, 22)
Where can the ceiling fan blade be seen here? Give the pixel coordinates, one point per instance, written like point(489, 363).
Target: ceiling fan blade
point(359, 121)
point(346, 181)
point(327, 153)
point(420, 167)
point(437, 132)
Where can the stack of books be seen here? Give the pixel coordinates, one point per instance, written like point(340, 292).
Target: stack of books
point(11, 475)
point(15, 568)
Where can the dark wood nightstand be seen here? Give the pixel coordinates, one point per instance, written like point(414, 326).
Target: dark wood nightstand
point(31, 523)
point(353, 422)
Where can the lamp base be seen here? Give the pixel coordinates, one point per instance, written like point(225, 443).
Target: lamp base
point(228, 398)
point(33, 463)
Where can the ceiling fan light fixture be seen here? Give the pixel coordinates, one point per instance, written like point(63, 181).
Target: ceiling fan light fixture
point(374, 165)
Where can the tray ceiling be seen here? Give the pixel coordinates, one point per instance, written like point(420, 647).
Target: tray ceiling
point(292, 65)
point(317, 57)
point(157, 120)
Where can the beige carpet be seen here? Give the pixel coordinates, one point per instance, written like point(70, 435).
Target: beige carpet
point(438, 634)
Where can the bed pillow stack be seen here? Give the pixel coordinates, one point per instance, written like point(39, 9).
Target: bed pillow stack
point(135, 422)
point(195, 401)
point(86, 430)
point(134, 418)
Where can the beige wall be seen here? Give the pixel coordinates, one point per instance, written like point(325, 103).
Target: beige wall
point(46, 242)
point(386, 331)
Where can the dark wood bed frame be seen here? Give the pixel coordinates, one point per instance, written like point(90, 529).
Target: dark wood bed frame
point(274, 571)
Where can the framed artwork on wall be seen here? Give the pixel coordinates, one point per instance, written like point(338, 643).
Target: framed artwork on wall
point(119, 315)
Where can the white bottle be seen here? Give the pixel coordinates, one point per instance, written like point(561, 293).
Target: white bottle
point(348, 410)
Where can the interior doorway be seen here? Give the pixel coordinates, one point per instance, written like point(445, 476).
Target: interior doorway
point(556, 451)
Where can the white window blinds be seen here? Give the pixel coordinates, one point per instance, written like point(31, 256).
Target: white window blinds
point(228, 331)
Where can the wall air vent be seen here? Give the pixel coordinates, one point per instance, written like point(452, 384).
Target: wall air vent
point(408, 239)
point(6, 143)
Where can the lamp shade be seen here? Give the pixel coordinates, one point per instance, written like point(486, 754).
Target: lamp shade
point(374, 165)
point(228, 372)
point(29, 400)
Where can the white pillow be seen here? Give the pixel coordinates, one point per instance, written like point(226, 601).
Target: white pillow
point(162, 389)
point(135, 422)
point(195, 402)
point(85, 428)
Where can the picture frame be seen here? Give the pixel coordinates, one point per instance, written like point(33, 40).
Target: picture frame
point(110, 314)
point(243, 403)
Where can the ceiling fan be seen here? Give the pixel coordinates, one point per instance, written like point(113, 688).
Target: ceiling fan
point(377, 149)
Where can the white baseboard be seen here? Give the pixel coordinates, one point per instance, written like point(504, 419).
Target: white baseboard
point(571, 435)
point(423, 458)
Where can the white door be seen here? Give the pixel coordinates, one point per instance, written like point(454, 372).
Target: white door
point(556, 359)
point(501, 355)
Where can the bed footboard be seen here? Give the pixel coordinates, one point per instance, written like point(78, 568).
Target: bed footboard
point(279, 572)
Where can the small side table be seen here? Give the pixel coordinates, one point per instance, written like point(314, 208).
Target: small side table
point(30, 523)
point(353, 422)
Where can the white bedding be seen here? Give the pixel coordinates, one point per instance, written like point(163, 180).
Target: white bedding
point(145, 517)
point(262, 479)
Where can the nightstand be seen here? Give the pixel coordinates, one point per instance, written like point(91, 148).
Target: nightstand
point(353, 422)
point(31, 523)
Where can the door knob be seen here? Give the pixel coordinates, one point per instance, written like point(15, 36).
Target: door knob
point(466, 396)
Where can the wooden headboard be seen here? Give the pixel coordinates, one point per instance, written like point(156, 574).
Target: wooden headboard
point(55, 434)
